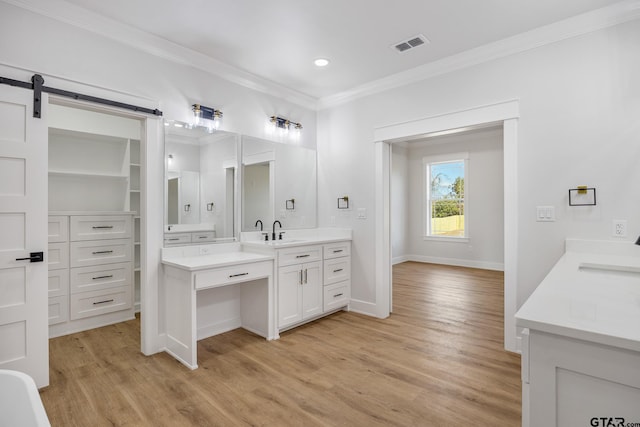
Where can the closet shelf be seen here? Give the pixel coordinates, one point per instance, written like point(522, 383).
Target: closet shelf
point(87, 174)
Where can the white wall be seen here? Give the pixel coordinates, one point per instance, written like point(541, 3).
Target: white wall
point(579, 107)
point(484, 206)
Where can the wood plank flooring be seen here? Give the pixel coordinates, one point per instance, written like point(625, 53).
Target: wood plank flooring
point(438, 360)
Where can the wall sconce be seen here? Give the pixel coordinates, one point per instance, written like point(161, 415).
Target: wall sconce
point(187, 208)
point(170, 159)
point(206, 116)
point(210, 207)
point(283, 125)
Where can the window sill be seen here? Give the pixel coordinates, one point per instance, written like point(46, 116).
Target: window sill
point(446, 239)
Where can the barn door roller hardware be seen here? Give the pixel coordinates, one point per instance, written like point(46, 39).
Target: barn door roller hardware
point(37, 85)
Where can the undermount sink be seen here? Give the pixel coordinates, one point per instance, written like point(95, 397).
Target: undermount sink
point(608, 268)
point(282, 242)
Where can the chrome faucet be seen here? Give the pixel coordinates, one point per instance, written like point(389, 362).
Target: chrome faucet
point(273, 234)
point(258, 221)
point(638, 241)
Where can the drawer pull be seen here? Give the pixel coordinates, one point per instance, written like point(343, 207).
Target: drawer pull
point(101, 252)
point(202, 237)
point(103, 302)
point(337, 251)
point(102, 227)
point(337, 295)
point(102, 277)
point(338, 270)
point(303, 256)
point(238, 275)
point(173, 239)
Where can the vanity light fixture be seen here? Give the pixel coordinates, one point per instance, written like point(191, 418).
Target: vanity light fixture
point(206, 116)
point(284, 125)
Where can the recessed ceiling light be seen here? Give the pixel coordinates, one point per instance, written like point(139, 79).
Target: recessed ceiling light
point(321, 62)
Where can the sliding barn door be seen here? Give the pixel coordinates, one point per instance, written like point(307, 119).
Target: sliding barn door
point(23, 236)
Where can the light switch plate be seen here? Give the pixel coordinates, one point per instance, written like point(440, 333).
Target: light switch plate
point(545, 213)
point(362, 213)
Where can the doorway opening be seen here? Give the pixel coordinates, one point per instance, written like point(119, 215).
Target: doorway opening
point(506, 113)
point(96, 215)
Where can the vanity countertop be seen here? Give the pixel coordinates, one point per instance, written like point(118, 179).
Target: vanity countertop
point(213, 260)
point(592, 293)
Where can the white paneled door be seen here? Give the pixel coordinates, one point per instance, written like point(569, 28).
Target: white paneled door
point(23, 233)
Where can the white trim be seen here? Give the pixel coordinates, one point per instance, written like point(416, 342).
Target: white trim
point(480, 115)
point(363, 307)
point(159, 47)
point(588, 22)
point(485, 265)
point(400, 259)
point(507, 113)
point(383, 229)
point(449, 239)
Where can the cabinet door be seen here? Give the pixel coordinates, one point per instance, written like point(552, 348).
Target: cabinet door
point(311, 289)
point(289, 295)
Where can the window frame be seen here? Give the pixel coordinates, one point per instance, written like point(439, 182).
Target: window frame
point(427, 162)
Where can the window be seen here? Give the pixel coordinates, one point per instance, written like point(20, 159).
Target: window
point(445, 196)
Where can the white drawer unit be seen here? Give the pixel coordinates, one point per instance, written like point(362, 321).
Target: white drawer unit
point(90, 271)
point(99, 277)
point(237, 273)
point(337, 275)
point(299, 255)
point(58, 229)
point(58, 256)
point(337, 250)
point(58, 282)
point(337, 270)
point(58, 309)
point(336, 295)
point(177, 238)
point(96, 252)
point(206, 236)
point(94, 227)
point(87, 304)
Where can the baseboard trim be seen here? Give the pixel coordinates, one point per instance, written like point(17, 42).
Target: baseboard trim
point(363, 307)
point(485, 265)
point(400, 259)
point(219, 328)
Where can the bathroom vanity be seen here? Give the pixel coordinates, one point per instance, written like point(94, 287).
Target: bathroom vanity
point(581, 345)
point(263, 287)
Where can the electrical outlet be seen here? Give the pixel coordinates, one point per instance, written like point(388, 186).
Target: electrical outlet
point(619, 227)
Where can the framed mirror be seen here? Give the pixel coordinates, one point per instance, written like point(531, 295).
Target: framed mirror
point(201, 184)
point(279, 183)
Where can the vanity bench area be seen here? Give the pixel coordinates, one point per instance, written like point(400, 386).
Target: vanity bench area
point(263, 287)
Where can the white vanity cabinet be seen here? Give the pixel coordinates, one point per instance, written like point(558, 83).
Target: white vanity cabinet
point(90, 271)
point(312, 280)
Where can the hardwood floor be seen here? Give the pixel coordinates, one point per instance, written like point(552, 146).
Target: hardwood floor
point(438, 360)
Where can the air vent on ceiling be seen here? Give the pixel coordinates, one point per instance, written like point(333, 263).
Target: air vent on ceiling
point(408, 44)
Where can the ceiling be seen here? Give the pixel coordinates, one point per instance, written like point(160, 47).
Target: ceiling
point(278, 40)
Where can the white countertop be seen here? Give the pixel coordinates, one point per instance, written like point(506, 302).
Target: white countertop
point(215, 260)
point(302, 237)
point(589, 295)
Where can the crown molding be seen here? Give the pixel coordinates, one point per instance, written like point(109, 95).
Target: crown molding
point(159, 47)
point(588, 22)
